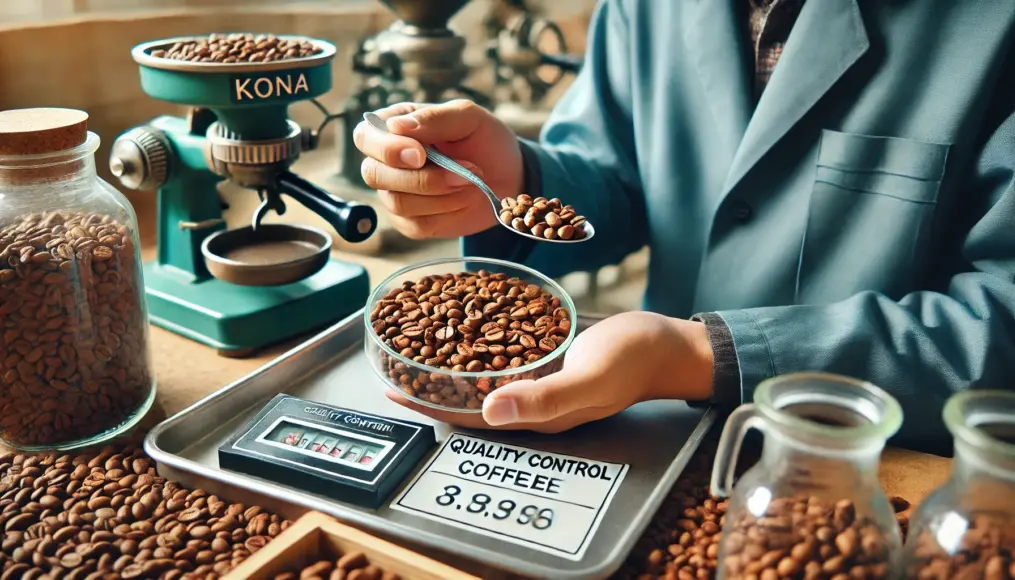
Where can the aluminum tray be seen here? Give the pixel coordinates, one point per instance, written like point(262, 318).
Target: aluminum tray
point(655, 438)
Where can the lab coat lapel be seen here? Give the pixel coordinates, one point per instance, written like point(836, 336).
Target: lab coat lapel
point(721, 48)
point(827, 39)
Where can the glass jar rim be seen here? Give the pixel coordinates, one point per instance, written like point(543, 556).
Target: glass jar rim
point(568, 303)
point(40, 160)
point(884, 423)
point(963, 427)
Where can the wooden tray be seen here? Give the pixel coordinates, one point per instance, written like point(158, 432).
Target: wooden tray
point(316, 536)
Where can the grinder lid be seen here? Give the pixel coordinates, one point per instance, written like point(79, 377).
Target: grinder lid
point(42, 130)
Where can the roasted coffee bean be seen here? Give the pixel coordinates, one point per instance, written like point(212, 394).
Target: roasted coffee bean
point(238, 48)
point(541, 217)
point(351, 566)
point(467, 322)
point(682, 541)
point(985, 549)
point(73, 355)
point(157, 546)
point(833, 534)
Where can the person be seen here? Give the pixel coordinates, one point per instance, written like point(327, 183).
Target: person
point(823, 185)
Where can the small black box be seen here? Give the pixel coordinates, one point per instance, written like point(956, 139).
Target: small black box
point(343, 454)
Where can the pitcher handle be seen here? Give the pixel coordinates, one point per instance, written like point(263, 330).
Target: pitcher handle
point(741, 420)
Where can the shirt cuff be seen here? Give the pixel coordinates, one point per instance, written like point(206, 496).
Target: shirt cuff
point(726, 383)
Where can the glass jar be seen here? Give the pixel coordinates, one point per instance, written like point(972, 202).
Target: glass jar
point(812, 506)
point(966, 528)
point(74, 358)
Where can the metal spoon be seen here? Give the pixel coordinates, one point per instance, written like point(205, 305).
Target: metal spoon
point(451, 165)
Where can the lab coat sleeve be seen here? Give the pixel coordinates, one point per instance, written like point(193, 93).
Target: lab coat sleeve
point(928, 345)
point(585, 157)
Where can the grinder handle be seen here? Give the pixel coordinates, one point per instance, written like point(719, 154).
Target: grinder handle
point(355, 222)
point(565, 62)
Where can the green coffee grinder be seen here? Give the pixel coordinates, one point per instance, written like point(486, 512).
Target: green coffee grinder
point(241, 289)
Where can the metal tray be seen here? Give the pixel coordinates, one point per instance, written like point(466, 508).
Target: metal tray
point(655, 438)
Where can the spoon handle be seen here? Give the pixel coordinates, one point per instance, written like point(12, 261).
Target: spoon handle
point(453, 166)
point(441, 160)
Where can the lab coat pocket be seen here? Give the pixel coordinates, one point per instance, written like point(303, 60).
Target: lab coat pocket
point(869, 210)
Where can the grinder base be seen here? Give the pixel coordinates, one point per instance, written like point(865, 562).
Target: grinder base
point(240, 320)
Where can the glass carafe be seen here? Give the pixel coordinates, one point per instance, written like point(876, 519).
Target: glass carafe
point(966, 528)
point(812, 506)
point(74, 359)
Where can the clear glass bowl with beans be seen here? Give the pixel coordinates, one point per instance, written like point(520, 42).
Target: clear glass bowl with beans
point(74, 359)
point(447, 333)
point(966, 527)
point(812, 507)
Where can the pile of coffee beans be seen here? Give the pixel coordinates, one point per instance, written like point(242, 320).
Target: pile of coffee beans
point(230, 48)
point(541, 217)
point(351, 566)
point(985, 550)
point(682, 542)
point(806, 535)
point(109, 515)
point(73, 330)
point(467, 322)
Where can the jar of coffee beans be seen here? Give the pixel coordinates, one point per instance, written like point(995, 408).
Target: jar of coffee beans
point(74, 361)
point(966, 528)
point(447, 333)
point(812, 507)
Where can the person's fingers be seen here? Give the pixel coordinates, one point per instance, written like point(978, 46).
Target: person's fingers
point(444, 123)
point(429, 180)
point(539, 401)
point(412, 205)
point(453, 224)
point(399, 109)
point(393, 150)
point(476, 420)
point(412, 124)
point(467, 420)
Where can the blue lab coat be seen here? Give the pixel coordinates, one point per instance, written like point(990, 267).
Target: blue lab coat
point(859, 219)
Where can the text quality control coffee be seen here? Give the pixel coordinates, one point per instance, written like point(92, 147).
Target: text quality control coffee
point(547, 502)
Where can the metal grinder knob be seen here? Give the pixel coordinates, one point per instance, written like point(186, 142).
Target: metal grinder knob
point(139, 158)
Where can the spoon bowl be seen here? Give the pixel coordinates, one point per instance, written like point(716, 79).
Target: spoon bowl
point(445, 162)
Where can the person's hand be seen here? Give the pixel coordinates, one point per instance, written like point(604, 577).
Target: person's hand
point(426, 201)
point(623, 360)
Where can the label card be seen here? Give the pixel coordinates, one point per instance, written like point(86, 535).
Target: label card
point(543, 501)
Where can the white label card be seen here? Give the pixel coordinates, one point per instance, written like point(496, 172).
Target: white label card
point(543, 501)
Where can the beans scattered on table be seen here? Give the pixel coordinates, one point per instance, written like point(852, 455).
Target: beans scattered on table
point(73, 335)
point(467, 322)
point(233, 48)
point(985, 550)
point(682, 541)
point(541, 217)
point(109, 515)
point(351, 566)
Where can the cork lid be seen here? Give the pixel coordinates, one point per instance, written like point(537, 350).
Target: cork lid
point(41, 131)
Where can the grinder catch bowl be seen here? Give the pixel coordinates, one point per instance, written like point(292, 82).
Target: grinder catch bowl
point(446, 333)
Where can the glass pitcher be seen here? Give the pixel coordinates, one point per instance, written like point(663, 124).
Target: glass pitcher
point(812, 506)
point(966, 528)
